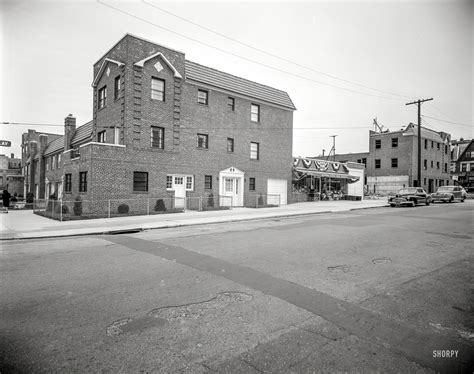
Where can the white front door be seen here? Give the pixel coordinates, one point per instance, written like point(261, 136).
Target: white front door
point(231, 187)
point(179, 191)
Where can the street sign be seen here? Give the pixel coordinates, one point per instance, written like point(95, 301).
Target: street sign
point(5, 143)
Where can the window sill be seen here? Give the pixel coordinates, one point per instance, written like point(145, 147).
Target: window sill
point(157, 100)
point(139, 192)
point(100, 109)
point(202, 149)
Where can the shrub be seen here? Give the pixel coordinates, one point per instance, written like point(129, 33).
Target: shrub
point(160, 206)
point(77, 208)
point(65, 209)
point(210, 200)
point(30, 197)
point(123, 208)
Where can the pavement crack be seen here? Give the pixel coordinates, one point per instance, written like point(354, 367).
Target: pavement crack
point(250, 364)
point(319, 334)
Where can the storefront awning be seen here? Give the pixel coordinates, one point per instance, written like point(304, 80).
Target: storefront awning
point(322, 169)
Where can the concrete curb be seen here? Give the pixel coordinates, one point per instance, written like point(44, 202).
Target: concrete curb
point(169, 226)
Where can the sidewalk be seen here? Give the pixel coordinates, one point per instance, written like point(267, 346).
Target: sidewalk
point(23, 224)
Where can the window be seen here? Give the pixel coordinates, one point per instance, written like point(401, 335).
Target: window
point(394, 142)
point(202, 141)
point(432, 144)
point(471, 166)
point(364, 161)
point(116, 135)
point(446, 149)
point(67, 182)
point(83, 181)
point(117, 87)
point(102, 97)
point(53, 162)
point(203, 97)
point(377, 164)
point(102, 136)
point(254, 151)
point(359, 161)
point(425, 164)
point(230, 145)
point(189, 183)
point(255, 113)
point(463, 167)
point(59, 160)
point(208, 182)
point(426, 143)
point(424, 181)
point(251, 184)
point(437, 164)
point(140, 181)
point(378, 143)
point(432, 163)
point(437, 145)
point(47, 164)
point(169, 181)
point(231, 103)
point(158, 89)
point(157, 137)
point(445, 167)
point(394, 162)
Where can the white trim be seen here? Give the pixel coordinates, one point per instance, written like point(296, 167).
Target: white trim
point(141, 63)
point(102, 67)
point(108, 144)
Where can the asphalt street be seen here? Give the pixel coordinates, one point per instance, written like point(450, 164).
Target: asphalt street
point(375, 290)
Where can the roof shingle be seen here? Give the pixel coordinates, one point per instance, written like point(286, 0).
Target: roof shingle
point(82, 133)
point(238, 85)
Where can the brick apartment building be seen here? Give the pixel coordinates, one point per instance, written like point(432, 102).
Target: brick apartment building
point(462, 157)
point(392, 161)
point(166, 126)
point(11, 177)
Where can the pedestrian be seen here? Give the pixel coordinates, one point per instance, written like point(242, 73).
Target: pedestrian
point(6, 201)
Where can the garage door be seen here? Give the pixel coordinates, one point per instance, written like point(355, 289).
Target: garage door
point(277, 187)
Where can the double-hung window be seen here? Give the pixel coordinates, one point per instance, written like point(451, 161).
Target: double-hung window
point(158, 89)
point(117, 86)
point(251, 184)
point(378, 163)
point(394, 142)
point(202, 141)
point(102, 136)
point(102, 102)
point(83, 181)
point(394, 162)
point(231, 103)
point(230, 145)
point(255, 113)
point(140, 181)
point(203, 97)
point(157, 137)
point(254, 151)
point(67, 182)
point(378, 143)
point(208, 182)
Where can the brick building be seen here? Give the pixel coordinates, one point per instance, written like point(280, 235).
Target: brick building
point(392, 161)
point(463, 165)
point(11, 177)
point(166, 126)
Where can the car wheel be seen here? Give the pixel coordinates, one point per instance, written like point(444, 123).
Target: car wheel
point(462, 200)
point(427, 202)
point(452, 199)
point(392, 205)
point(412, 204)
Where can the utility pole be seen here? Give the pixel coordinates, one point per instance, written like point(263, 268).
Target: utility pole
point(419, 101)
point(333, 149)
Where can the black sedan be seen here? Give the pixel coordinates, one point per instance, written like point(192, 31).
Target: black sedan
point(410, 196)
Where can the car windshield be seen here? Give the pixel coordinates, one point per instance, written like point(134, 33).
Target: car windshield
point(446, 189)
point(404, 191)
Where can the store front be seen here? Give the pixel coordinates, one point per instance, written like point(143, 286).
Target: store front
point(327, 180)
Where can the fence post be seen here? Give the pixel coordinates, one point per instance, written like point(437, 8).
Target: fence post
point(109, 209)
point(148, 206)
point(256, 201)
point(60, 210)
point(200, 204)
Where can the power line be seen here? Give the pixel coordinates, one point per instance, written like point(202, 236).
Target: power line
point(242, 57)
point(29, 124)
point(271, 54)
point(453, 123)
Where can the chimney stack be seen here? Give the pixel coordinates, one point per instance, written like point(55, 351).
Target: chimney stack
point(69, 130)
point(12, 155)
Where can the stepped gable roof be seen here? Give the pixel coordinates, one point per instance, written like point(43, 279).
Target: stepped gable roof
point(219, 79)
point(55, 146)
point(82, 134)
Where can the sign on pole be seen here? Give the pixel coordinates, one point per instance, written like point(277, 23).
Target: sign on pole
point(5, 143)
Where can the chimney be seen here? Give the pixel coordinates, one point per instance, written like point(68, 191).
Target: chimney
point(43, 143)
point(12, 155)
point(69, 130)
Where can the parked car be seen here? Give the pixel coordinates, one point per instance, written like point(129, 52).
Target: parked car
point(448, 194)
point(410, 196)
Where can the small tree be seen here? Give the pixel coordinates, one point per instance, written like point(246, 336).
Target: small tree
point(160, 206)
point(77, 208)
point(210, 200)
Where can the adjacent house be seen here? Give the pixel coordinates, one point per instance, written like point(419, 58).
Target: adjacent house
point(11, 177)
point(392, 160)
point(166, 126)
point(463, 170)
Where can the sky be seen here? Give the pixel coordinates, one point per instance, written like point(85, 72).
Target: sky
point(343, 63)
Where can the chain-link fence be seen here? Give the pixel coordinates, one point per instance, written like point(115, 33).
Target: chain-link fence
point(261, 200)
point(64, 210)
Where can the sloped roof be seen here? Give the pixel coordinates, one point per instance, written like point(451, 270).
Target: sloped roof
point(82, 133)
point(55, 146)
point(219, 79)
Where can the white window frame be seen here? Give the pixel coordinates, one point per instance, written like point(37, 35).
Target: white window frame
point(188, 181)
